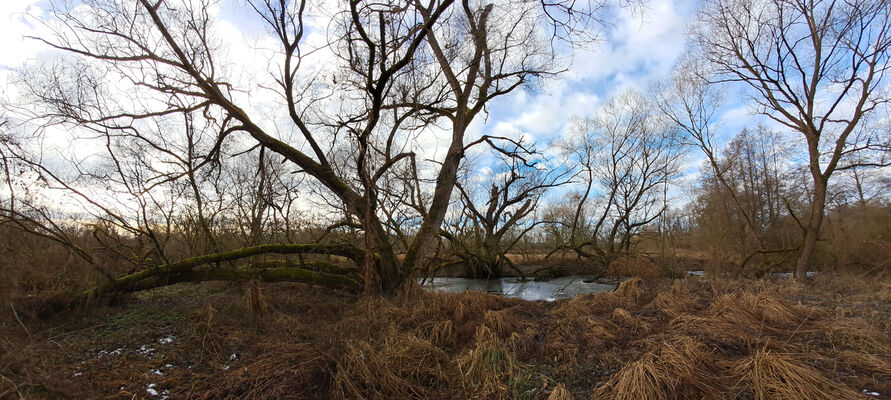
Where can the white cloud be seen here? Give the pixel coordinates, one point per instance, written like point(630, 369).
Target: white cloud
point(643, 44)
point(638, 48)
point(18, 20)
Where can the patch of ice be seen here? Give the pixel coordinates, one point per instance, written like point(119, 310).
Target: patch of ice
point(151, 390)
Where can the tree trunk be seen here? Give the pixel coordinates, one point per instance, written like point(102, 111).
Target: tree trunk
point(389, 270)
point(127, 282)
point(439, 204)
point(812, 230)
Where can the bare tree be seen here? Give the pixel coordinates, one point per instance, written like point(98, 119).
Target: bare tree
point(20, 203)
point(692, 104)
point(815, 67)
point(624, 156)
point(494, 209)
point(402, 68)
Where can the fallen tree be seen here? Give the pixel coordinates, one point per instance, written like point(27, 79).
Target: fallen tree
point(271, 270)
point(283, 274)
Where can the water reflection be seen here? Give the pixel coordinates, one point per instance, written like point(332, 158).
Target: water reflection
point(558, 288)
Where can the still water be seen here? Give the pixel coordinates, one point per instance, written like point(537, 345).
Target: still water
point(558, 288)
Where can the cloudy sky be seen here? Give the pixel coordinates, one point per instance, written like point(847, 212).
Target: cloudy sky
point(641, 46)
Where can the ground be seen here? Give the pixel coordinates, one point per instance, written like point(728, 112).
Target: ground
point(687, 338)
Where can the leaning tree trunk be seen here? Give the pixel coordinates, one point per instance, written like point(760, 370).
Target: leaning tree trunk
point(812, 229)
point(187, 270)
point(439, 204)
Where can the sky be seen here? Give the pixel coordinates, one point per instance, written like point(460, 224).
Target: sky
point(641, 46)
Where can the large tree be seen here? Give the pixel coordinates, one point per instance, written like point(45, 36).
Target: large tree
point(398, 72)
point(815, 67)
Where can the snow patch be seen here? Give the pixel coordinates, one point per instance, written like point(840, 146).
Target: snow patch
point(146, 351)
point(103, 353)
point(151, 390)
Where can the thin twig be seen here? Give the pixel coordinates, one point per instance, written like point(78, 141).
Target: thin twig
point(20, 320)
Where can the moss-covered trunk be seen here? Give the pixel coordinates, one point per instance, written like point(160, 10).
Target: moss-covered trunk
point(180, 271)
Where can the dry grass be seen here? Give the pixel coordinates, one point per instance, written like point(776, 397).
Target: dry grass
point(486, 369)
point(645, 340)
point(681, 367)
point(255, 301)
point(640, 267)
point(560, 393)
point(205, 332)
point(857, 334)
point(402, 366)
point(760, 311)
point(779, 376)
point(678, 300)
point(285, 370)
point(643, 379)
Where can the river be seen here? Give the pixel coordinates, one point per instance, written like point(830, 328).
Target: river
point(565, 287)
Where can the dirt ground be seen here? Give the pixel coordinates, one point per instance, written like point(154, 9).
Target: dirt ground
point(656, 339)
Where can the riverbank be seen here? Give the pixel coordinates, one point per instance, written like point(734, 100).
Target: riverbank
point(690, 338)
